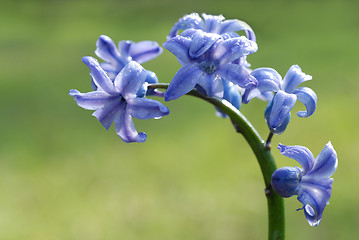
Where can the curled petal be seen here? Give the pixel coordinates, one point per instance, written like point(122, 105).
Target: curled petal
point(106, 50)
point(268, 81)
point(183, 82)
point(111, 70)
point(314, 198)
point(233, 48)
point(212, 22)
point(109, 112)
point(124, 49)
point(201, 42)
point(278, 109)
point(299, 153)
point(212, 85)
point(249, 94)
point(99, 76)
point(326, 163)
point(130, 79)
point(179, 46)
point(126, 129)
point(308, 97)
point(142, 108)
point(237, 74)
point(144, 51)
point(294, 78)
point(188, 21)
point(235, 26)
point(92, 100)
point(266, 96)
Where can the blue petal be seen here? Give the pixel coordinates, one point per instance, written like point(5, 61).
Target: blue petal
point(92, 100)
point(142, 108)
point(326, 163)
point(293, 78)
point(144, 51)
point(233, 48)
point(130, 79)
point(143, 90)
point(314, 196)
point(126, 129)
point(299, 153)
point(231, 93)
point(124, 49)
point(183, 82)
point(179, 46)
point(99, 76)
point(188, 21)
point(201, 42)
point(285, 181)
point(111, 70)
point(237, 74)
point(280, 107)
point(268, 80)
point(212, 23)
point(106, 50)
point(151, 78)
point(308, 97)
point(266, 96)
point(212, 85)
point(235, 26)
point(109, 112)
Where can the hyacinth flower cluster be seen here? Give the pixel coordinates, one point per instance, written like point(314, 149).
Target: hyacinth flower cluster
point(213, 53)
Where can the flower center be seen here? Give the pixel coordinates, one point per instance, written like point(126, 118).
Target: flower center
point(208, 67)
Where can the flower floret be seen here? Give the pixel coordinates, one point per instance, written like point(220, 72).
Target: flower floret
point(119, 101)
point(312, 183)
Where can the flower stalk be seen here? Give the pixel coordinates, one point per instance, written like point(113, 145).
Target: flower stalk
point(276, 228)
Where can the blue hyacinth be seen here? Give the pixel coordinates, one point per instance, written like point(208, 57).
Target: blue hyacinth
point(120, 100)
point(115, 59)
point(286, 93)
point(207, 60)
point(312, 182)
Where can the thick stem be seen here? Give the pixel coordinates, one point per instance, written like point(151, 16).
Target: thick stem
point(264, 158)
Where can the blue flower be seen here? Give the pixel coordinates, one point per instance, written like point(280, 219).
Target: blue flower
point(231, 93)
point(211, 24)
point(117, 58)
point(207, 60)
point(277, 113)
point(312, 182)
point(119, 101)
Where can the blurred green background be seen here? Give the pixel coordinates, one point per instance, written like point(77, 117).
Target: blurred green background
point(63, 176)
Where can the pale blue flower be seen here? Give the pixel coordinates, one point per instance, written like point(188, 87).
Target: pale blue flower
point(232, 94)
point(115, 59)
point(119, 100)
point(211, 24)
point(207, 60)
point(312, 182)
point(286, 91)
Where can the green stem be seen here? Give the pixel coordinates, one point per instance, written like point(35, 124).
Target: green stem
point(264, 158)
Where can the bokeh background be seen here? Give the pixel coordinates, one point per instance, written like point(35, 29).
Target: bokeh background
point(64, 177)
